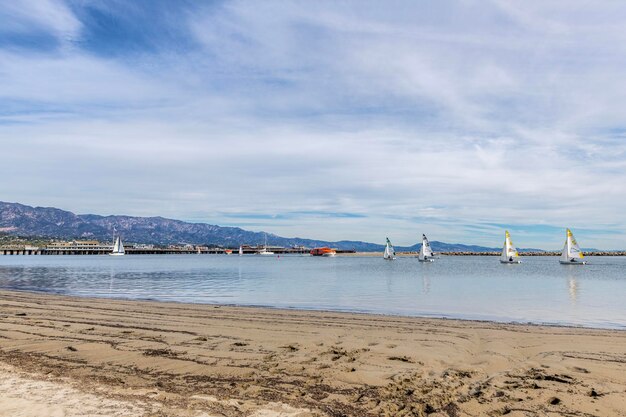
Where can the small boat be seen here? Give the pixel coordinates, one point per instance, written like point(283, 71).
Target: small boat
point(118, 248)
point(426, 253)
point(264, 251)
point(390, 252)
point(509, 252)
point(572, 255)
point(240, 250)
point(228, 251)
point(328, 252)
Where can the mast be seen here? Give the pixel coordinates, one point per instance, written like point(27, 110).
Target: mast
point(571, 251)
point(509, 251)
point(426, 253)
point(390, 252)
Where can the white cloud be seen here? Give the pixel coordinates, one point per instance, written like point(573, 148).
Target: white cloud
point(51, 16)
point(421, 117)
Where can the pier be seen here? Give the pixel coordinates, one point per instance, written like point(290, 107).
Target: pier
point(96, 248)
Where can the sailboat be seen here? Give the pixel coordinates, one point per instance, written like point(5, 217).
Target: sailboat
point(240, 250)
point(509, 252)
point(118, 247)
point(264, 251)
point(572, 255)
point(390, 252)
point(426, 253)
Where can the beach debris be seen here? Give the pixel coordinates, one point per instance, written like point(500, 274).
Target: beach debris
point(554, 400)
point(168, 353)
point(451, 409)
point(290, 348)
point(401, 359)
point(429, 409)
point(475, 390)
point(498, 394)
point(71, 348)
point(20, 314)
point(593, 393)
point(456, 373)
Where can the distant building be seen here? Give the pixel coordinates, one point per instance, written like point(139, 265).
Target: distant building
point(143, 246)
point(79, 245)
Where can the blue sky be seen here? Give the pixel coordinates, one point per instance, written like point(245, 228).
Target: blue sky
point(329, 120)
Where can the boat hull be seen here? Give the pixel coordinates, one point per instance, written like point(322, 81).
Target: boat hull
point(510, 262)
point(325, 251)
point(573, 262)
point(116, 254)
point(426, 260)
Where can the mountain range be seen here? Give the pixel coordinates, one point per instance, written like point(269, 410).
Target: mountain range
point(50, 222)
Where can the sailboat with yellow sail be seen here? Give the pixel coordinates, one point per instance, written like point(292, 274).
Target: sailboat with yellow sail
point(572, 255)
point(509, 251)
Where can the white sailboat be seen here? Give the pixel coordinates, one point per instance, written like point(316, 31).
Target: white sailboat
point(390, 252)
point(572, 255)
point(509, 252)
point(264, 251)
point(240, 250)
point(118, 247)
point(426, 253)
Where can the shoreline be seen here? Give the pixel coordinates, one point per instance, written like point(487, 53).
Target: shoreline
point(195, 360)
point(507, 322)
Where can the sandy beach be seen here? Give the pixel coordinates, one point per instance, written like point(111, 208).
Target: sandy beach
point(66, 356)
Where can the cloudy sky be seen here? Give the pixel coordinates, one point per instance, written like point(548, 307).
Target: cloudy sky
point(330, 120)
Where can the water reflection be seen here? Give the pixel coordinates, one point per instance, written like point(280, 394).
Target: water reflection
point(111, 276)
point(572, 284)
point(425, 279)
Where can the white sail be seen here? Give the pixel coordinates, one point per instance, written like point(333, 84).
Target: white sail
point(571, 251)
point(240, 250)
point(390, 252)
point(264, 251)
point(509, 252)
point(426, 253)
point(118, 247)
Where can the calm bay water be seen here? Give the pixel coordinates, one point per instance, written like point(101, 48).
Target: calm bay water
point(540, 290)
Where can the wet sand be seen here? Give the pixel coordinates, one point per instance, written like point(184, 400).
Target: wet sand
point(66, 356)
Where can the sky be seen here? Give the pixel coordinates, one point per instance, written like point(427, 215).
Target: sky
point(328, 119)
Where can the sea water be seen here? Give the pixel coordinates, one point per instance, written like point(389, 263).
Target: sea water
point(540, 290)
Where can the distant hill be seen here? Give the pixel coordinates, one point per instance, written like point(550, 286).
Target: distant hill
point(447, 247)
point(19, 219)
